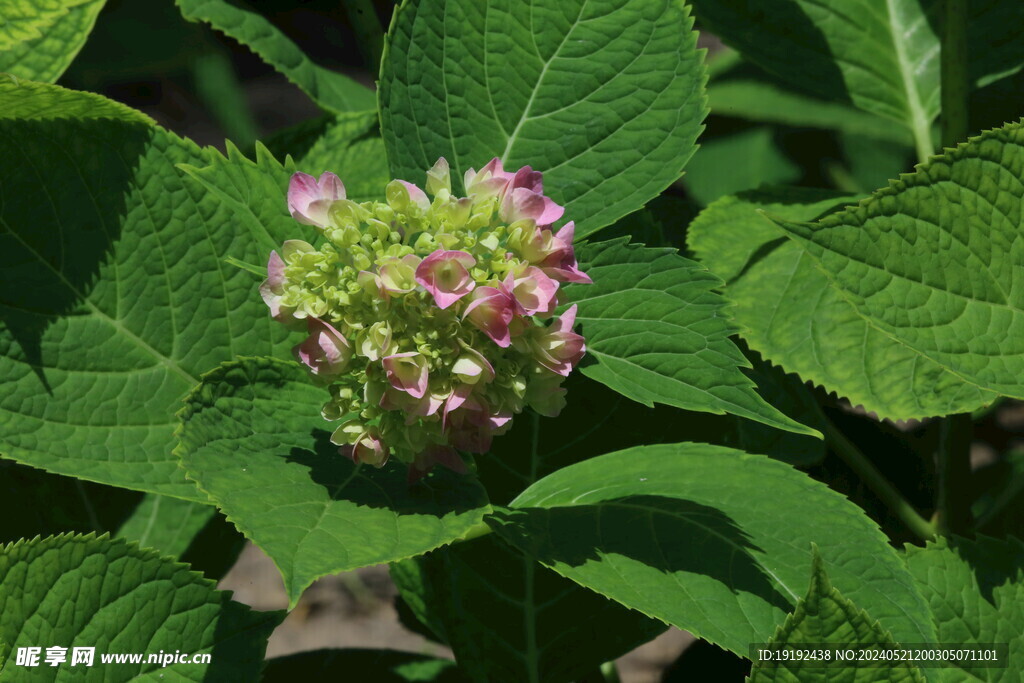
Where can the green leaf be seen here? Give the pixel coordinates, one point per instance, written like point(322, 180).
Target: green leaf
point(28, 100)
point(872, 162)
point(351, 148)
point(768, 103)
point(974, 590)
point(787, 311)
point(930, 263)
point(255, 192)
point(331, 90)
point(508, 619)
point(824, 616)
point(23, 20)
point(191, 532)
point(604, 96)
point(123, 298)
point(83, 591)
point(881, 55)
point(741, 161)
point(659, 334)
point(709, 539)
point(252, 437)
point(792, 396)
point(57, 39)
point(596, 420)
point(379, 666)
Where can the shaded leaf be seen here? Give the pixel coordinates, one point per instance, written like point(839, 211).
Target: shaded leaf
point(507, 618)
point(974, 590)
point(331, 90)
point(881, 55)
point(741, 161)
point(766, 102)
point(617, 83)
point(351, 148)
point(252, 437)
point(123, 300)
point(709, 539)
point(191, 532)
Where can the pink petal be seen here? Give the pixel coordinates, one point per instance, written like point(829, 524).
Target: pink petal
point(418, 196)
point(411, 380)
point(326, 351)
point(309, 199)
point(446, 276)
point(491, 310)
point(533, 291)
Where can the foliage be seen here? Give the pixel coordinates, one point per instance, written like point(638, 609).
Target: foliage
point(792, 336)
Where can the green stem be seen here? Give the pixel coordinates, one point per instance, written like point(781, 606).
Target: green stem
point(369, 32)
point(876, 481)
point(953, 473)
point(923, 141)
point(955, 84)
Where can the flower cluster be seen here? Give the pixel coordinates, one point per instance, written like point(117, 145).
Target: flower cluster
point(429, 320)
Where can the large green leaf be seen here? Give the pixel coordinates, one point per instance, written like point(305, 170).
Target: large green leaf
point(507, 618)
point(787, 310)
point(766, 102)
point(827, 619)
point(122, 297)
point(974, 590)
point(712, 540)
point(659, 334)
point(604, 96)
point(881, 55)
point(252, 437)
point(932, 262)
point(331, 90)
point(82, 591)
point(44, 54)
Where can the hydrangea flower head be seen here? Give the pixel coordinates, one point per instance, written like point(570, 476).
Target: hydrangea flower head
point(430, 316)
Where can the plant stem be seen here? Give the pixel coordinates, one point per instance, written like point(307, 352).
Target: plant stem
point(923, 142)
point(955, 84)
point(369, 32)
point(876, 481)
point(953, 472)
